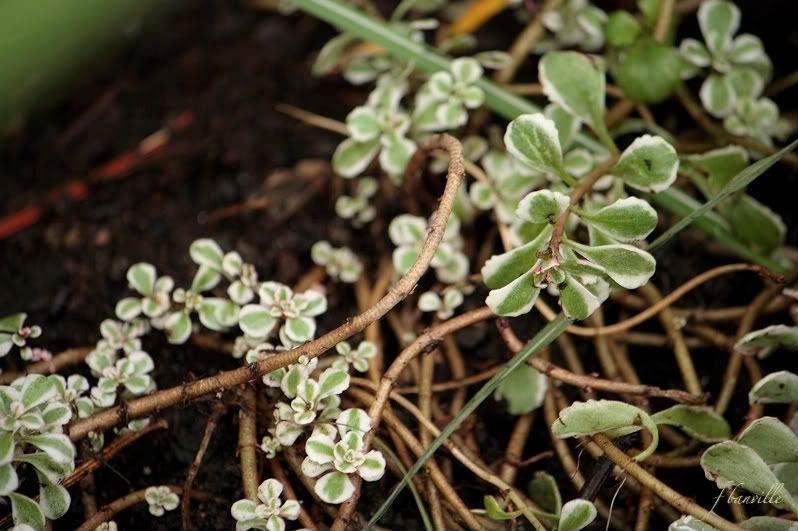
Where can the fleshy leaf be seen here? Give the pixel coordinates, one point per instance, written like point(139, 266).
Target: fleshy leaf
point(649, 164)
point(768, 523)
point(534, 140)
point(26, 511)
point(256, 321)
point(576, 514)
point(494, 511)
point(207, 252)
point(605, 416)
point(773, 440)
point(515, 298)
point(701, 423)
point(544, 491)
point(576, 300)
point(755, 224)
point(731, 464)
point(141, 277)
point(54, 501)
point(523, 390)
point(352, 157)
point(625, 220)
point(717, 95)
point(629, 266)
point(575, 82)
point(719, 21)
point(690, 523)
point(502, 269)
point(542, 206)
point(9, 481)
point(776, 388)
point(335, 487)
point(763, 342)
point(648, 71)
point(178, 326)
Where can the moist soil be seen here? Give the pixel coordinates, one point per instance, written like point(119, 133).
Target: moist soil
point(211, 74)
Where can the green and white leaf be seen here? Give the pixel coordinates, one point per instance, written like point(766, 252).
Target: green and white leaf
point(335, 488)
point(650, 164)
point(544, 491)
point(534, 140)
point(523, 390)
point(776, 388)
point(576, 514)
point(763, 342)
point(605, 416)
point(628, 266)
point(575, 82)
point(207, 252)
point(625, 220)
point(732, 464)
point(542, 206)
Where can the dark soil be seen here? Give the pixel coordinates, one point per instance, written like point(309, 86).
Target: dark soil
point(227, 65)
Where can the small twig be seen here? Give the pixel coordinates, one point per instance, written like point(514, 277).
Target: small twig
point(591, 382)
point(313, 119)
point(680, 350)
point(248, 443)
point(185, 510)
point(525, 41)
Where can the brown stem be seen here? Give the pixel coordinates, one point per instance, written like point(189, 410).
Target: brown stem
point(680, 350)
point(591, 382)
point(228, 379)
point(210, 426)
point(248, 443)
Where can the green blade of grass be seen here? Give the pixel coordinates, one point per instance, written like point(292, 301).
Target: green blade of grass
point(542, 339)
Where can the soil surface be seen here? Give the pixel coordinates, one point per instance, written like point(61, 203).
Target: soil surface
point(211, 74)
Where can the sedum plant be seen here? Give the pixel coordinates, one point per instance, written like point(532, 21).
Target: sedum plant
point(358, 358)
point(13, 332)
point(161, 499)
point(32, 419)
point(340, 263)
point(738, 67)
point(357, 208)
point(333, 454)
point(270, 514)
point(408, 233)
point(443, 101)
